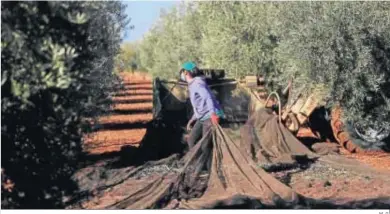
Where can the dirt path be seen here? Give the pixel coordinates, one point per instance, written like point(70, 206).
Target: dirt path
point(126, 125)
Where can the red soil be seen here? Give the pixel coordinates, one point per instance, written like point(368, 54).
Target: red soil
point(134, 106)
point(133, 118)
point(343, 190)
point(378, 160)
point(131, 99)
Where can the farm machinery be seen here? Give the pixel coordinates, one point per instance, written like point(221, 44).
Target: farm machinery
point(295, 114)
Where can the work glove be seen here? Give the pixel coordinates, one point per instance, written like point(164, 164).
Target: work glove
point(214, 119)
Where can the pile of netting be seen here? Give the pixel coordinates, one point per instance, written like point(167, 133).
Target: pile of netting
point(231, 173)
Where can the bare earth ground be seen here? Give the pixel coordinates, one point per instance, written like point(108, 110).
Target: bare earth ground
point(318, 180)
point(132, 110)
point(322, 181)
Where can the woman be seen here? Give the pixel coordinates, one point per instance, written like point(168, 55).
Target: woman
point(207, 111)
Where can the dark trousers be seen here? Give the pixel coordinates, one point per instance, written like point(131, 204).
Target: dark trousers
point(199, 130)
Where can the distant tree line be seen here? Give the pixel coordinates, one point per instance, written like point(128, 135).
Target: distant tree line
point(128, 59)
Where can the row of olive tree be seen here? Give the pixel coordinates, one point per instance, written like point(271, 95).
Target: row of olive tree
point(128, 58)
point(340, 47)
point(56, 69)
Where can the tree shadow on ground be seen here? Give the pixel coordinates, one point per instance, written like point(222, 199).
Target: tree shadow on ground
point(125, 94)
point(162, 139)
point(138, 88)
point(129, 111)
point(121, 126)
point(132, 101)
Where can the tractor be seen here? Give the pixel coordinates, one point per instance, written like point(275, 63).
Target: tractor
point(296, 112)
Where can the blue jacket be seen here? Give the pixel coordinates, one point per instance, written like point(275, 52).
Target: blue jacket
point(203, 100)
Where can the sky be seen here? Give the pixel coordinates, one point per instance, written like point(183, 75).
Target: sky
point(143, 14)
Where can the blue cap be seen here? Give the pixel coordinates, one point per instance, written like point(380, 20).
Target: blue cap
point(189, 66)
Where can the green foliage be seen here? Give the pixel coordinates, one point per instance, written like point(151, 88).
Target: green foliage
point(341, 48)
point(344, 46)
point(174, 39)
point(57, 63)
point(128, 59)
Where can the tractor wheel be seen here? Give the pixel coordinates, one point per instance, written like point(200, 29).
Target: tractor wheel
point(349, 136)
point(342, 136)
